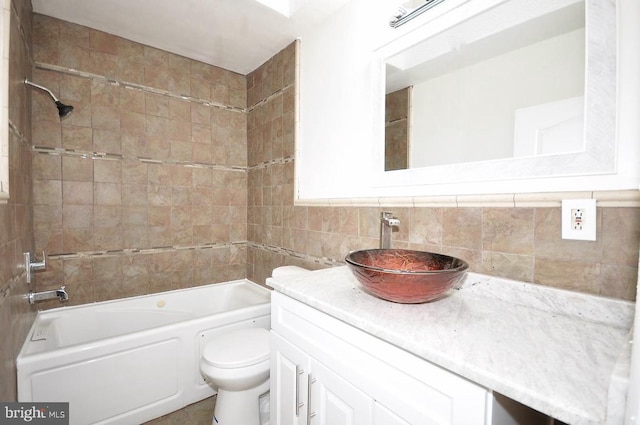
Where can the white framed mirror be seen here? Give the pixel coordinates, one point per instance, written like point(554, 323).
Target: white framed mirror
point(340, 153)
point(505, 97)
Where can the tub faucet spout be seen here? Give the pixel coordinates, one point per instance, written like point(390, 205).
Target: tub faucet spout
point(387, 223)
point(61, 294)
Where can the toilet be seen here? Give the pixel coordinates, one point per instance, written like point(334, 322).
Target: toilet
point(237, 363)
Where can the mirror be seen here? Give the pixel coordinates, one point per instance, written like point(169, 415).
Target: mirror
point(506, 83)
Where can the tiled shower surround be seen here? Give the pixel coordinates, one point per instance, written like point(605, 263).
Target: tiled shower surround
point(172, 173)
point(144, 187)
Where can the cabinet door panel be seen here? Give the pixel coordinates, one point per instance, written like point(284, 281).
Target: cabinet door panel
point(384, 416)
point(334, 401)
point(289, 368)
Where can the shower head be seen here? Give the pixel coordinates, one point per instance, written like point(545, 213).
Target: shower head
point(63, 110)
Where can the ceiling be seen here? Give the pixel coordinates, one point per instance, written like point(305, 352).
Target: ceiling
point(238, 35)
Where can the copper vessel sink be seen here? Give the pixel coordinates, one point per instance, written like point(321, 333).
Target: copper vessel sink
point(406, 276)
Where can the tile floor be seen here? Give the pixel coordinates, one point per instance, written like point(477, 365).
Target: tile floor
point(195, 414)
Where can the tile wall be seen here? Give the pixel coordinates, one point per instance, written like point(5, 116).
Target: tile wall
point(16, 218)
point(144, 187)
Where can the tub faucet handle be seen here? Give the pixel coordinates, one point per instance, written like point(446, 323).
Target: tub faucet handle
point(32, 266)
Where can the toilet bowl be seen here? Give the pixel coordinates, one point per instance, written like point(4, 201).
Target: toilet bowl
point(237, 363)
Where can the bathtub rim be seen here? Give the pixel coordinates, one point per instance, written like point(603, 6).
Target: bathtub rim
point(24, 357)
point(137, 297)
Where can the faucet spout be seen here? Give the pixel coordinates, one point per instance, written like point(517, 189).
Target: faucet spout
point(61, 294)
point(387, 223)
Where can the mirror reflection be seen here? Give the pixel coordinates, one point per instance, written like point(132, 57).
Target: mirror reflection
point(506, 83)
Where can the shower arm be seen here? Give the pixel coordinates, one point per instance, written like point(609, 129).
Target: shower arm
point(29, 83)
point(63, 110)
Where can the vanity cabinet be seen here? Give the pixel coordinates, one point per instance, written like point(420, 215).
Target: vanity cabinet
point(324, 371)
point(303, 381)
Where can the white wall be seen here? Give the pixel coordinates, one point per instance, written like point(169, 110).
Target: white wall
point(334, 140)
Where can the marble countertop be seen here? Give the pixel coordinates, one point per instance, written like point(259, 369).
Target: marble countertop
point(556, 351)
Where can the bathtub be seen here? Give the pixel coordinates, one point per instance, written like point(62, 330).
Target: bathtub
point(131, 360)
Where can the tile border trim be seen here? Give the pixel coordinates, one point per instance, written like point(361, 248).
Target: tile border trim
point(324, 261)
point(148, 89)
point(135, 86)
point(119, 157)
point(142, 251)
point(612, 198)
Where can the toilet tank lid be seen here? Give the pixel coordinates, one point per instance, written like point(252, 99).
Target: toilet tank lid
point(287, 271)
point(239, 348)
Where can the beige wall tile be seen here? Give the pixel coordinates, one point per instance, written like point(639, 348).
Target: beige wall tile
point(104, 194)
point(568, 274)
point(512, 266)
point(77, 193)
point(508, 230)
point(77, 169)
point(77, 240)
point(618, 281)
point(46, 167)
point(77, 138)
point(47, 133)
point(107, 171)
point(426, 226)
point(462, 227)
point(620, 235)
point(77, 216)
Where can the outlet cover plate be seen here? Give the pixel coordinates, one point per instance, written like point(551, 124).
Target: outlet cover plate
point(586, 208)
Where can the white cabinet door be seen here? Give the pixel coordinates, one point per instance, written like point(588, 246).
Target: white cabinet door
point(334, 401)
point(384, 416)
point(289, 371)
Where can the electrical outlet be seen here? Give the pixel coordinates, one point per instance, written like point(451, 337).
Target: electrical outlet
point(576, 218)
point(579, 219)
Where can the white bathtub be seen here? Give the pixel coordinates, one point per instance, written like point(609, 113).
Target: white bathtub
point(129, 361)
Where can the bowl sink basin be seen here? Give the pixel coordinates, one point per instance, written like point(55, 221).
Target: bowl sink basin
point(406, 276)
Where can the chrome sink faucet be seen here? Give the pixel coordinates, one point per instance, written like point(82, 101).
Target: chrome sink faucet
point(387, 223)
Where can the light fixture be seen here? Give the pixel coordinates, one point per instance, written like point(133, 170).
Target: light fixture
point(63, 110)
point(405, 15)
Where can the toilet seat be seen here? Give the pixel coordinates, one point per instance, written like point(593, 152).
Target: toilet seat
point(239, 348)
